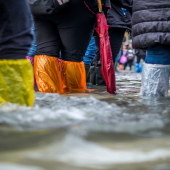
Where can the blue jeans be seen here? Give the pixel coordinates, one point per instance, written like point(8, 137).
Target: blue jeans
point(33, 49)
point(90, 53)
point(158, 54)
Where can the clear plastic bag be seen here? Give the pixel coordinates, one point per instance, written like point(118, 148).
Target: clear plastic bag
point(155, 80)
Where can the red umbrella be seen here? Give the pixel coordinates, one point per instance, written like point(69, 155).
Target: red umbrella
point(107, 67)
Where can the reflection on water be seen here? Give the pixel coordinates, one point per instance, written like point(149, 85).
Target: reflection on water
point(88, 131)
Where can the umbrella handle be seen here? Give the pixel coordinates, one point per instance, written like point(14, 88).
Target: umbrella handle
point(100, 5)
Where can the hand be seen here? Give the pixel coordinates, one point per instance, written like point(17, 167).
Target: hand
point(61, 2)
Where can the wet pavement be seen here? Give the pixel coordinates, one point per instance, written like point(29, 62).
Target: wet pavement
point(90, 131)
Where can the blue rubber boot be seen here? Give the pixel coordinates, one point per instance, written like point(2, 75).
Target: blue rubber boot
point(140, 68)
point(137, 69)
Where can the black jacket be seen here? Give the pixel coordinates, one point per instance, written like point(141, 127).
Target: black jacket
point(150, 23)
point(93, 5)
point(115, 14)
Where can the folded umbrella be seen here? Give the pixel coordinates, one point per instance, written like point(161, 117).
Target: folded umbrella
point(107, 68)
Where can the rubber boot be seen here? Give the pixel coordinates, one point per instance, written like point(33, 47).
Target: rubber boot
point(47, 74)
point(155, 80)
point(137, 70)
point(16, 82)
point(99, 77)
point(140, 68)
point(93, 73)
point(73, 76)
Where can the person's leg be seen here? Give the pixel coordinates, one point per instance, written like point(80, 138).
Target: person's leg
point(97, 43)
point(32, 51)
point(137, 70)
point(76, 27)
point(46, 65)
point(116, 38)
point(95, 60)
point(138, 59)
point(15, 29)
point(47, 36)
point(156, 71)
point(125, 65)
point(130, 64)
point(158, 54)
point(90, 54)
point(16, 74)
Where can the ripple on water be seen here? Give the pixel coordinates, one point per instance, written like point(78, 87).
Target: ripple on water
point(53, 110)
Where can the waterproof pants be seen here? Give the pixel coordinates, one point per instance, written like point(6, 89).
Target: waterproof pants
point(16, 73)
point(70, 32)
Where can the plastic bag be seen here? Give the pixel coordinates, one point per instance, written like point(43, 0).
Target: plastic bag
point(16, 82)
point(138, 68)
point(73, 75)
point(47, 74)
point(123, 59)
point(155, 80)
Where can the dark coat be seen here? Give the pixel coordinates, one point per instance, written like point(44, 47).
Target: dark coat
point(150, 23)
point(115, 14)
point(93, 5)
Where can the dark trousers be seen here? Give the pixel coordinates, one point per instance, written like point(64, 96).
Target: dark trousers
point(139, 58)
point(68, 31)
point(116, 38)
point(129, 63)
point(15, 29)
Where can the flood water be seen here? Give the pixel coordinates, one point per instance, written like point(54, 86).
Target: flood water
point(91, 131)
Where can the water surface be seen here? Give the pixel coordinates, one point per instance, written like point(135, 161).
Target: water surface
point(88, 131)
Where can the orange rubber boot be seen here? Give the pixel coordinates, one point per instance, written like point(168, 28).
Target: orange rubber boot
point(73, 75)
point(47, 74)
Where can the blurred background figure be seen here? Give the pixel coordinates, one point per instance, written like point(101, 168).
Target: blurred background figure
point(117, 60)
point(140, 54)
point(130, 57)
point(89, 55)
point(151, 31)
point(16, 73)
